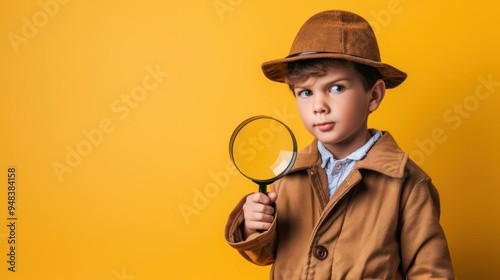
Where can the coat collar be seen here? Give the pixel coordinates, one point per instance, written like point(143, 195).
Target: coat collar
point(384, 157)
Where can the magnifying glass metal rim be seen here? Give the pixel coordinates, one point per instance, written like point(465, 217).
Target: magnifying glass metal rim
point(290, 164)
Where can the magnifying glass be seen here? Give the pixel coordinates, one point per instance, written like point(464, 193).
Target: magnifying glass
point(263, 149)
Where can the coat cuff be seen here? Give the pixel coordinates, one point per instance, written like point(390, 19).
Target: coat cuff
point(258, 247)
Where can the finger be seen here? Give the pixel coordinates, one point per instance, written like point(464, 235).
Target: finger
point(266, 215)
point(252, 207)
point(255, 225)
point(259, 217)
point(268, 210)
point(259, 198)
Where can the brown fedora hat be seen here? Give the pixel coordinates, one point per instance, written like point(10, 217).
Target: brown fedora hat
point(335, 34)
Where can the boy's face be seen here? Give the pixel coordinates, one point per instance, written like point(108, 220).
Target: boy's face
point(335, 107)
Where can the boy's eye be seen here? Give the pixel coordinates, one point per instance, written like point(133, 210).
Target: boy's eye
point(304, 93)
point(337, 89)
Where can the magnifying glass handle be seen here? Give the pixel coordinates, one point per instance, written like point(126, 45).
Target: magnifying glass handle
point(263, 188)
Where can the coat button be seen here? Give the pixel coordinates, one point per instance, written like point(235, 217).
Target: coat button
point(320, 252)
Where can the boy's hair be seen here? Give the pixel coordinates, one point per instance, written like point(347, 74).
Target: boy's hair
point(301, 70)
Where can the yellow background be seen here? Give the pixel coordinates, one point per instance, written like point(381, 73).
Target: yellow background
point(149, 197)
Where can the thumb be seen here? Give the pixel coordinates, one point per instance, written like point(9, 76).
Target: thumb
point(273, 196)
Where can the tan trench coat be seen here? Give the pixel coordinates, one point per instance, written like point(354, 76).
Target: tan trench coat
point(381, 223)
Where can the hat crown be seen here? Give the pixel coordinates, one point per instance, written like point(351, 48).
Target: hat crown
point(337, 32)
point(335, 35)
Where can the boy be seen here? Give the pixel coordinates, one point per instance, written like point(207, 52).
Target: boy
point(354, 206)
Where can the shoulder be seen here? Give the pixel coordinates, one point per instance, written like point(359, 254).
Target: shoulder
point(387, 158)
point(307, 160)
point(307, 157)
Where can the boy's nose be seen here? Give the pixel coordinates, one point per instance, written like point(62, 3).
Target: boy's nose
point(320, 106)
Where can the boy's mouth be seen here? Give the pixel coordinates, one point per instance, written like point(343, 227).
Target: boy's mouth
point(325, 126)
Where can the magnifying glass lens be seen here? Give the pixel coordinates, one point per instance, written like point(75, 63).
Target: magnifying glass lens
point(263, 149)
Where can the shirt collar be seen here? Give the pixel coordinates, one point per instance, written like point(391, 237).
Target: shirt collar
point(327, 157)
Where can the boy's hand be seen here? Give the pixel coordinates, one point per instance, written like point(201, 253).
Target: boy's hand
point(258, 212)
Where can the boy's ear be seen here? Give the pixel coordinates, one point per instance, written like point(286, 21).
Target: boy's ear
point(377, 95)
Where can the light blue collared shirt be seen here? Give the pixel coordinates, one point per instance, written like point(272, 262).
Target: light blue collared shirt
point(337, 170)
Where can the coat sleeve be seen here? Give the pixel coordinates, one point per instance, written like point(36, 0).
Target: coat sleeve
point(424, 250)
point(258, 248)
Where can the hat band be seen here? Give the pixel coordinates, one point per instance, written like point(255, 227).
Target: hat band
point(335, 53)
point(304, 53)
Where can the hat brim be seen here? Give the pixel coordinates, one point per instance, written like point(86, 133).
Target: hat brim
point(276, 70)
